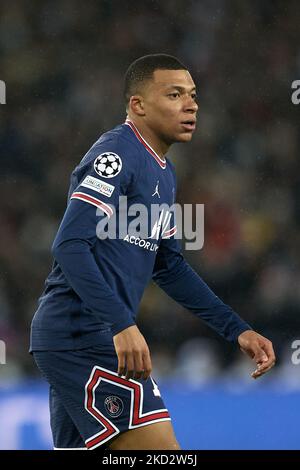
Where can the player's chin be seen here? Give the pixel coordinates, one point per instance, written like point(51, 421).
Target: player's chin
point(185, 136)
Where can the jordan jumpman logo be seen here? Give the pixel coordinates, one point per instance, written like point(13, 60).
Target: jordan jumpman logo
point(156, 190)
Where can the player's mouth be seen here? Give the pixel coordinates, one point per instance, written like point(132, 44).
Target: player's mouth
point(189, 125)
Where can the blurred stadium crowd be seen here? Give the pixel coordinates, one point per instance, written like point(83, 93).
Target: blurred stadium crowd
point(63, 64)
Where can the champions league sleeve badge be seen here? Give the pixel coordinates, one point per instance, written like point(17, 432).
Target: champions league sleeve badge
point(108, 165)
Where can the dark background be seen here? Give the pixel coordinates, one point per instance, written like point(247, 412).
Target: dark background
point(63, 63)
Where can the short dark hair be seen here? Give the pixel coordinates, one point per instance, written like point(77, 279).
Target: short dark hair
point(142, 69)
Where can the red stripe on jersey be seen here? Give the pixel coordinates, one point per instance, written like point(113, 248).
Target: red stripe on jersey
point(162, 163)
point(170, 232)
point(95, 202)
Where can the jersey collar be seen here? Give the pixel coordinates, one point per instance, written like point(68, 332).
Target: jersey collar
point(162, 163)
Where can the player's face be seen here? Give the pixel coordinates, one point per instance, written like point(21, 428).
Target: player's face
point(170, 105)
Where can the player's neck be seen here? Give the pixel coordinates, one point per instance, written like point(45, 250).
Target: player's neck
point(160, 147)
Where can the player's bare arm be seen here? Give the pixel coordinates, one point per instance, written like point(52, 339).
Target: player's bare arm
point(260, 349)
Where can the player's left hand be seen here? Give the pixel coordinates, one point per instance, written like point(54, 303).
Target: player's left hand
point(260, 349)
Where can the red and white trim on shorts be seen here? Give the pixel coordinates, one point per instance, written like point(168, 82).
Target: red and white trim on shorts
point(136, 419)
point(94, 201)
point(162, 163)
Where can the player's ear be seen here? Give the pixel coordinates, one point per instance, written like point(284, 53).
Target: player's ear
point(136, 105)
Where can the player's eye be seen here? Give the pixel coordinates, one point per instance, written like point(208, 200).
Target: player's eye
point(194, 96)
point(174, 95)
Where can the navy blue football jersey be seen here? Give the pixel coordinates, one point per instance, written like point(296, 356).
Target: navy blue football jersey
point(96, 283)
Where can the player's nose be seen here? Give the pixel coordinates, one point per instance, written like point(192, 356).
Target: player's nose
point(191, 105)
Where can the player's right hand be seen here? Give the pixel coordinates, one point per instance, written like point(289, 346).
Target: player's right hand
point(133, 354)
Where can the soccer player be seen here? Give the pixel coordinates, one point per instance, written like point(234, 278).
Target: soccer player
point(84, 337)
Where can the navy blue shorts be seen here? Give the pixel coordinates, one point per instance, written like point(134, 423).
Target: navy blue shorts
point(89, 403)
